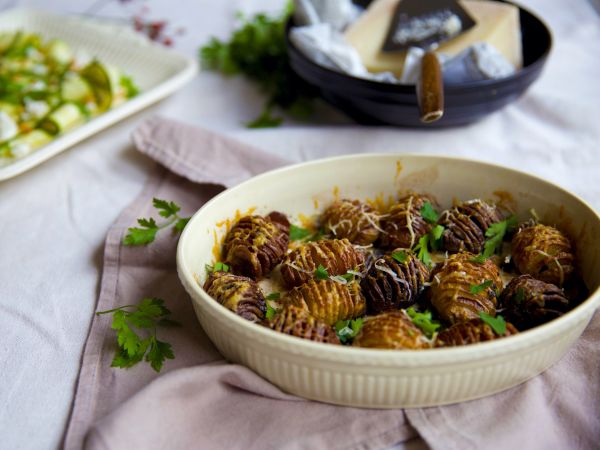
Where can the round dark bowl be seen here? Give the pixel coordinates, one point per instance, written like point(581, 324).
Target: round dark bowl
point(373, 103)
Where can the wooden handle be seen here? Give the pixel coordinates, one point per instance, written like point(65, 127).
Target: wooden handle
point(430, 89)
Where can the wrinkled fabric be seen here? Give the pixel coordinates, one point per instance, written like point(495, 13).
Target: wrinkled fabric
point(206, 399)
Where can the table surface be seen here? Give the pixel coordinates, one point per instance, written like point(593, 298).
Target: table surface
point(56, 216)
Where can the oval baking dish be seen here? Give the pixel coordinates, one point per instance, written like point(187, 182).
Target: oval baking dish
point(388, 378)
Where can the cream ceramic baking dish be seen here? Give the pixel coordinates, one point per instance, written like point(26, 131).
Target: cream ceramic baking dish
point(389, 378)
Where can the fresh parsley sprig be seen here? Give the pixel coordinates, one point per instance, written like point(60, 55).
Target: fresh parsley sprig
point(429, 214)
point(217, 267)
point(479, 288)
point(347, 330)
point(423, 320)
point(146, 233)
point(497, 323)
point(271, 310)
point(135, 326)
point(321, 273)
point(431, 241)
point(302, 234)
point(400, 256)
point(495, 234)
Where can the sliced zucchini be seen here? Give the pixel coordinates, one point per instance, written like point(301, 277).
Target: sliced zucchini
point(62, 118)
point(59, 51)
point(98, 76)
point(75, 88)
point(25, 143)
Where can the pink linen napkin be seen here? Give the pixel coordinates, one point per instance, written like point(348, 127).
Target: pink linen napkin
point(201, 401)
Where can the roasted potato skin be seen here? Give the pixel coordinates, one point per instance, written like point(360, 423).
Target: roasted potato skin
point(391, 330)
point(528, 302)
point(543, 252)
point(403, 216)
point(329, 301)
point(470, 332)
point(387, 292)
point(353, 220)
point(256, 244)
point(297, 321)
point(451, 285)
point(465, 225)
point(336, 255)
point(240, 294)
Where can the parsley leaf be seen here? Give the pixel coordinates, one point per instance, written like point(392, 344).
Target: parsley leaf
point(497, 323)
point(495, 234)
point(274, 296)
point(347, 330)
point(131, 90)
point(479, 288)
point(349, 277)
point(479, 259)
point(428, 213)
point(321, 273)
point(423, 320)
point(297, 233)
point(400, 256)
point(422, 250)
point(218, 267)
point(271, 312)
point(147, 233)
point(257, 49)
point(132, 345)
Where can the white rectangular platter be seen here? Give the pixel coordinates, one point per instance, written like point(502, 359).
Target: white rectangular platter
point(157, 70)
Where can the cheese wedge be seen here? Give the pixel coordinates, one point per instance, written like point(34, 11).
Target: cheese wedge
point(496, 23)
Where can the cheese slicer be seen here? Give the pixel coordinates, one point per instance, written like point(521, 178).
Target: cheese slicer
point(425, 24)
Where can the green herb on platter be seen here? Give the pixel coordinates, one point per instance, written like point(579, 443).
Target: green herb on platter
point(146, 233)
point(479, 259)
point(479, 288)
point(497, 323)
point(135, 326)
point(431, 241)
point(218, 267)
point(424, 320)
point(428, 213)
point(321, 273)
point(302, 234)
point(347, 330)
point(520, 297)
point(257, 50)
point(495, 234)
point(400, 256)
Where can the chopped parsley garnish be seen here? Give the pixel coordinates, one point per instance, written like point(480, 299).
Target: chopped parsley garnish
point(271, 312)
point(147, 233)
point(423, 320)
point(302, 234)
point(321, 273)
point(495, 234)
point(479, 259)
point(348, 277)
point(347, 330)
point(218, 267)
point(428, 213)
point(479, 288)
point(274, 296)
point(128, 321)
point(400, 256)
point(430, 241)
point(497, 323)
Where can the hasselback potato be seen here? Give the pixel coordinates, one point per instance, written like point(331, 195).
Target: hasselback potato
point(461, 288)
point(297, 321)
point(239, 294)
point(337, 256)
point(329, 300)
point(528, 302)
point(353, 220)
point(391, 285)
point(470, 332)
point(465, 225)
point(543, 252)
point(256, 244)
point(404, 226)
point(393, 330)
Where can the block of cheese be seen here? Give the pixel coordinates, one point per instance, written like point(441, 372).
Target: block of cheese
point(496, 23)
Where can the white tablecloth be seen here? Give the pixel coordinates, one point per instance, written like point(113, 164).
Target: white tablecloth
point(55, 217)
